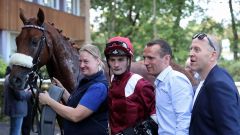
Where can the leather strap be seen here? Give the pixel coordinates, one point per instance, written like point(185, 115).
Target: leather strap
point(48, 117)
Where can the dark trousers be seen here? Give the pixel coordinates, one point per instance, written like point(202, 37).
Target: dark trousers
point(27, 120)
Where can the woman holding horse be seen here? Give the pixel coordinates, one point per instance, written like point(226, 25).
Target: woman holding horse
point(15, 105)
point(85, 111)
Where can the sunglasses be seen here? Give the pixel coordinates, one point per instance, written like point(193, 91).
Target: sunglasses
point(117, 43)
point(201, 36)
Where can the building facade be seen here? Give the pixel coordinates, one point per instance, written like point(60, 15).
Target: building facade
point(71, 16)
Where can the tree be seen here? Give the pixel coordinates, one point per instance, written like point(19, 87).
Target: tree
point(136, 19)
point(143, 21)
point(234, 31)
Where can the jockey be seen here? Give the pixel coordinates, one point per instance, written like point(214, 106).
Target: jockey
point(131, 97)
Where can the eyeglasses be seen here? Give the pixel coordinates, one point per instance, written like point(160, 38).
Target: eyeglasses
point(117, 43)
point(201, 36)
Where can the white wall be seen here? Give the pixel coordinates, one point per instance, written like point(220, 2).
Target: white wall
point(7, 44)
point(5, 47)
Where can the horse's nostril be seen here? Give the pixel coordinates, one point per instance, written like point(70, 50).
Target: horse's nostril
point(18, 80)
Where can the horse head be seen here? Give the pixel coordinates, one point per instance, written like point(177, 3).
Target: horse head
point(39, 44)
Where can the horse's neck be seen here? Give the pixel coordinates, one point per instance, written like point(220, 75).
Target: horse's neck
point(64, 63)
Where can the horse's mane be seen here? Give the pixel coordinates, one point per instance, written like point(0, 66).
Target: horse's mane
point(60, 31)
point(63, 63)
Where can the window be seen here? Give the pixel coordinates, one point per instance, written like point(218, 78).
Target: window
point(69, 6)
point(72, 6)
point(76, 7)
point(50, 3)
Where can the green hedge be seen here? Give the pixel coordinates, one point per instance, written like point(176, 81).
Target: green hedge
point(233, 67)
point(3, 67)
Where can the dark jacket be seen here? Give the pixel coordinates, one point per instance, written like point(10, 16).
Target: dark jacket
point(15, 101)
point(95, 124)
point(217, 107)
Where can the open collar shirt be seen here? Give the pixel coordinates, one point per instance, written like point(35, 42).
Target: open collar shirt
point(174, 97)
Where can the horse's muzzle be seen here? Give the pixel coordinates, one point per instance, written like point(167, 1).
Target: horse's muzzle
point(18, 80)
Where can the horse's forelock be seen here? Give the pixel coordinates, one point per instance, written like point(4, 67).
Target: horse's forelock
point(20, 59)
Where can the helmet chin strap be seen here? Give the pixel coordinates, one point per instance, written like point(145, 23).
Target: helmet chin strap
point(129, 63)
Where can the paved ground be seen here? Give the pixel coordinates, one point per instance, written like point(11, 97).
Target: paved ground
point(4, 129)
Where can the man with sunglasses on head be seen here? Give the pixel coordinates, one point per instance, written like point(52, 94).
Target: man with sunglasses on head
point(174, 91)
point(216, 104)
point(130, 98)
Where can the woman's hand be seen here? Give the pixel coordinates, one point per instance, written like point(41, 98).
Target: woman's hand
point(44, 98)
point(57, 82)
point(66, 94)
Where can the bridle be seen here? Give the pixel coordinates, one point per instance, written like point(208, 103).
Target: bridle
point(34, 75)
point(36, 58)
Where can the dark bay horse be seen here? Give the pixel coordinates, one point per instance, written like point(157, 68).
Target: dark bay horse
point(39, 44)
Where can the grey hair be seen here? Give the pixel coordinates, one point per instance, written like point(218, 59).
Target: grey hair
point(94, 51)
point(216, 44)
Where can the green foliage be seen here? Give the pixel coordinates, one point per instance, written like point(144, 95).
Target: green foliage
point(233, 68)
point(43, 72)
point(135, 19)
point(3, 67)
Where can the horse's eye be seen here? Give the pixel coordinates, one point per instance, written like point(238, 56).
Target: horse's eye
point(34, 42)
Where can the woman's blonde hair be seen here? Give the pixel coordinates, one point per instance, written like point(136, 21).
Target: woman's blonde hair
point(94, 51)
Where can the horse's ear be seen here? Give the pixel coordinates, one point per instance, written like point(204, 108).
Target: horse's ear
point(40, 16)
point(22, 17)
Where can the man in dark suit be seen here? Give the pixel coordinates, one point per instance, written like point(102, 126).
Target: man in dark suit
point(216, 105)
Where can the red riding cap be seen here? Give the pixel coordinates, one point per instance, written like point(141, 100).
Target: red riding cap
point(120, 46)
